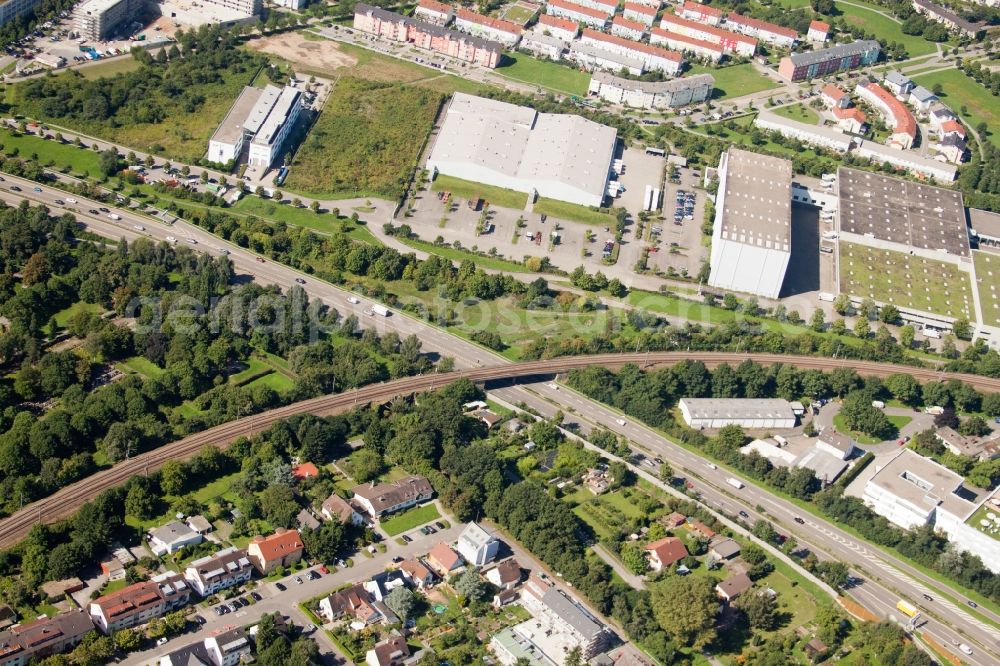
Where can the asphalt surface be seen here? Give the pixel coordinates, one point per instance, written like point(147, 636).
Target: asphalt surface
point(876, 565)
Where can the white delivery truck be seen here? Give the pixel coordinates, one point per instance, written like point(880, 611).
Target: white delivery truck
point(931, 333)
point(380, 310)
point(735, 483)
point(114, 216)
point(826, 296)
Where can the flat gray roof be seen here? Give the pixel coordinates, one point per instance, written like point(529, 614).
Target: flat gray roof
point(922, 482)
point(673, 85)
point(834, 52)
point(901, 211)
point(571, 613)
point(576, 46)
point(984, 222)
point(757, 202)
point(824, 466)
point(232, 126)
point(277, 115)
point(738, 408)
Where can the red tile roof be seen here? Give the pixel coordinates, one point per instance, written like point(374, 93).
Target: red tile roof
point(833, 92)
point(489, 21)
point(556, 22)
point(439, 7)
point(854, 113)
point(634, 46)
point(952, 126)
point(904, 121)
point(718, 33)
point(444, 556)
point(705, 10)
point(691, 41)
point(278, 545)
point(819, 25)
point(641, 9)
point(668, 550)
point(305, 470)
point(629, 23)
point(762, 25)
point(579, 9)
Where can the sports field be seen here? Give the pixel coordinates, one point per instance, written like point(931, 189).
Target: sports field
point(734, 81)
point(988, 283)
point(960, 91)
point(905, 280)
point(544, 73)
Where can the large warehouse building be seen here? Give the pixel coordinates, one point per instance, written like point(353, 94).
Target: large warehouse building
point(746, 412)
point(265, 117)
point(557, 156)
point(752, 231)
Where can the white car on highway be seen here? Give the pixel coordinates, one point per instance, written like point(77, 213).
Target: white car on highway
point(354, 300)
point(139, 227)
point(620, 422)
point(171, 239)
point(222, 250)
point(712, 466)
point(191, 240)
point(71, 201)
point(965, 648)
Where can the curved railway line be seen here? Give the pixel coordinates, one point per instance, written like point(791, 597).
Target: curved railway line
point(66, 501)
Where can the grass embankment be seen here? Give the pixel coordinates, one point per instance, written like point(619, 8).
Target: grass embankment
point(735, 80)
point(365, 142)
point(958, 92)
point(545, 73)
point(55, 155)
point(467, 189)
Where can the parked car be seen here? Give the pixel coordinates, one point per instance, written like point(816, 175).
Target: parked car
point(256, 596)
point(406, 539)
point(298, 580)
point(281, 588)
point(312, 575)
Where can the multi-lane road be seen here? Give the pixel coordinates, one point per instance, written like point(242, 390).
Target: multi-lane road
point(888, 578)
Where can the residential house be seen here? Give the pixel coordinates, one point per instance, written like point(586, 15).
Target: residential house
point(556, 612)
point(200, 524)
point(306, 520)
point(724, 548)
point(281, 549)
point(733, 587)
point(948, 18)
point(354, 602)
point(193, 654)
point(707, 14)
point(921, 99)
point(506, 575)
point(939, 114)
point(224, 569)
point(443, 560)
point(8, 616)
point(701, 529)
point(771, 33)
point(488, 418)
point(597, 480)
point(172, 537)
point(418, 574)
point(897, 116)
point(627, 28)
point(505, 598)
point(383, 583)
point(665, 552)
point(673, 520)
point(982, 448)
point(559, 28)
point(228, 648)
point(852, 120)
point(337, 508)
point(380, 499)
point(952, 127)
point(434, 12)
point(477, 546)
point(141, 602)
point(836, 444)
point(33, 641)
point(391, 652)
point(304, 471)
point(635, 11)
point(487, 27)
point(539, 45)
point(819, 32)
point(112, 568)
point(834, 97)
point(952, 147)
point(898, 84)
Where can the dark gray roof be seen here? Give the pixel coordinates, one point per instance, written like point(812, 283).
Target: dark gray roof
point(429, 28)
point(946, 13)
point(572, 614)
point(673, 85)
point(838, 51)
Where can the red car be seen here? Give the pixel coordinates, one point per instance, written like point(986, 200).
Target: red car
point(323, 570)
point(260, 260)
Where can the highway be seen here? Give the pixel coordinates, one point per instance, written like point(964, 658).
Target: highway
point(481, 365)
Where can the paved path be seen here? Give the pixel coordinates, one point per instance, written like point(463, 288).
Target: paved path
point(612, 560)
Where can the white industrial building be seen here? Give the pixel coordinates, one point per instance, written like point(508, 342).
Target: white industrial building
point(652, 94)
point(752, 231)
point(98, 19)
point(264, 117)
point(756, 413)
point(910, 491)
point(558, 156)
point(14, 8)
point(477, 546)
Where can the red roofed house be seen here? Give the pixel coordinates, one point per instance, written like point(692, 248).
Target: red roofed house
point(559, 28)
point(505, 32)
point(281, 549)
point(897, 116)
point(819, 32)
point(701, 529)
point(434, 12)
point(762, 30)
point(952, 127)
point(731, 42)
point(304, 471)
point(666, 552)
point(638, 12)
point(833, 96)
point(851, 120)
point(36, 640)
point(653, 57)
point(678, 42)
point(701, 13)
point(443, 560)
point(337, 508)
point(139, 603)
point(354, 601)
point(417, 573)
point(595, 18)
point(674, 520)
point(627, 28)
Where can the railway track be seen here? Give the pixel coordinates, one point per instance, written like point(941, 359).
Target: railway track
point(66, 501)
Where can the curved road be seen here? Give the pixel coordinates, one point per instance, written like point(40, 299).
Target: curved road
point(480, 365)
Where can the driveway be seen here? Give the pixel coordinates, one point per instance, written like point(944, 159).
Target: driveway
point(918, 423)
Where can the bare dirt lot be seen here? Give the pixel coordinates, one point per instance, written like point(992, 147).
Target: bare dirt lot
point(295, 48)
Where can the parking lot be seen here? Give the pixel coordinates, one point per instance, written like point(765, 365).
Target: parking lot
point(680, 246)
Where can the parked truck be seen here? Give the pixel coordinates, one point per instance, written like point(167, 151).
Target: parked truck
point(735, 483)
point(380, 310)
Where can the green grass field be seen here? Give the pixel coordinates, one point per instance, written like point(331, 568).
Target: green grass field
point(518, 14)
point(799, 112)
point(299, 217)
point(466, 189)
point(734, 81)
point(56, 155)
point(544, 73)
point(988, 283)
point(840, 424)
point(276, 381)
point(905, 280)
point(63, 316)
point(573, 212)
point(365, 142)
point(105, 68)
point(884, 28)
point(961, 91)
point(410, 519)
point(458, 255)
point(139, 365)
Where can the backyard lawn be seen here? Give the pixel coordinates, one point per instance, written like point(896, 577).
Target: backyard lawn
point(734, 81)
point(410, 519)
point(961, 91)
point(544, 73)
point(799, 112)
point(905, 280)
point(365, 142)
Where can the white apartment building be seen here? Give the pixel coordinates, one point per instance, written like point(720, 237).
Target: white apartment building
point(477, 546)
point(559, 28)
point(654, 58)
point(814, 135)
point(652, 94)
point(226, 568)
point(264, 117)
point(14, 8)
point(731, 42)
point(229, 647)
point(595, 18)
point(696, 47)
point(265, 147)
point(97, 19)
point(639, 12)
point(623, 27)
point(594, 58)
